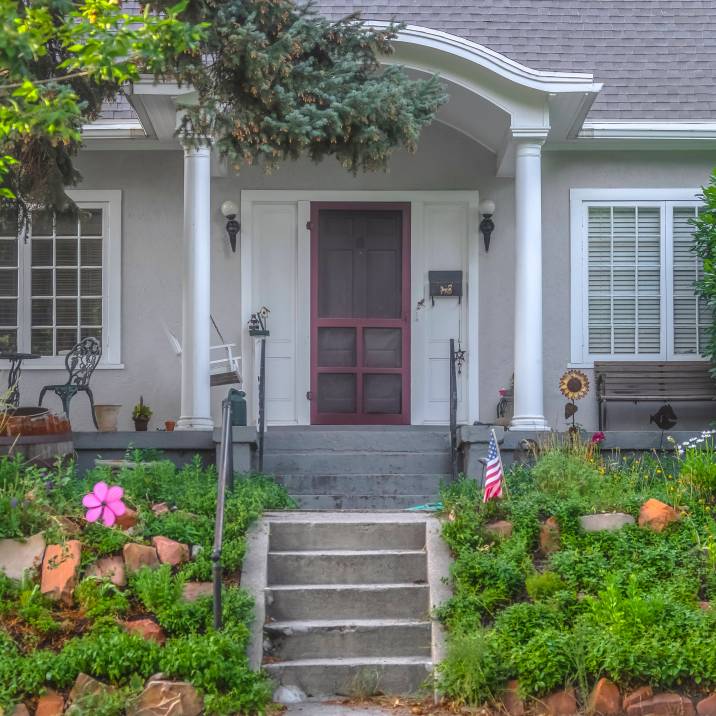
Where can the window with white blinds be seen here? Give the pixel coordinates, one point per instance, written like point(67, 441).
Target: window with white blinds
point(633, 278)
point(61, 283)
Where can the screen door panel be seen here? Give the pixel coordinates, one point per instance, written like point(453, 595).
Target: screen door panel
point(360, 327)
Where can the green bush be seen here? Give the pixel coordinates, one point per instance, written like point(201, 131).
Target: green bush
point(622, 604)
point(544, 586)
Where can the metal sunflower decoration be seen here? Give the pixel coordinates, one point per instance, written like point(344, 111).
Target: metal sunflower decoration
point(573, 385)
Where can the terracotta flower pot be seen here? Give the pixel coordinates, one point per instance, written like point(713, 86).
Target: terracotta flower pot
point(140, 424)
point(107, 417)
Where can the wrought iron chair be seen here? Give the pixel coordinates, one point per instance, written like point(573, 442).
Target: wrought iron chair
point(80, 362)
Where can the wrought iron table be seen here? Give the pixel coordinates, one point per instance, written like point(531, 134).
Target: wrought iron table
point(13, 378)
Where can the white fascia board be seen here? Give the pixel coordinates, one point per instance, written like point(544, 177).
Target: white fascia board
point(648, 130)
point(127, 129)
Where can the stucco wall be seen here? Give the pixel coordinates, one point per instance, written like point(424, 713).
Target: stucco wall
point(563, 171)
point(151, 182)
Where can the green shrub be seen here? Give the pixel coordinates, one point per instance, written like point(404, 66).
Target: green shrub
point(544, 586)
point(100, 598)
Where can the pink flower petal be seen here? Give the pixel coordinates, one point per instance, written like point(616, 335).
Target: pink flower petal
point(94, 514)
point(118, 507)
point(114, 493)
point(91, 500)
point(100, 491)
point(108, 517)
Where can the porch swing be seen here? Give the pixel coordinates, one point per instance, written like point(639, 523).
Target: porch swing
point(224, 370)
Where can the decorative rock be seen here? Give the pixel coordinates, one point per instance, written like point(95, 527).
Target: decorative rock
point(195, 550)
point(167, 698)
point(663, 705)
point(657, 515)
point(160, 508)
point(127, 520)
point(707, 706)
point(607, 522)
point(169, 551)
point(194, 590)
point(146, 628)
point(605, 699)
point(549, 541)
point(562, 703)
point(60, 568)
point(51, 704)
point(85, 686)
point(111, 568)
point(20, 710)
point(511, 700)
point(139, 555)
point(501, 528)
point(17, 556)
point(288, 695)
point(643, 693)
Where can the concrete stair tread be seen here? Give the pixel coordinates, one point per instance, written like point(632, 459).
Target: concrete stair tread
point(344, 552)
point(332, 623)
point(346, 585)
point(355, 661)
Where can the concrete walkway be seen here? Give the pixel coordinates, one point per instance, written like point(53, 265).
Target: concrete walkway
point(312, 708)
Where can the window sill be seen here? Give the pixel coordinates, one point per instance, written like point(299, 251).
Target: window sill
point(40, 364)
point(589, 364)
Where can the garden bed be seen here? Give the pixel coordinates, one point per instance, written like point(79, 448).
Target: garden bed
point(548, 615)
point(115, 619)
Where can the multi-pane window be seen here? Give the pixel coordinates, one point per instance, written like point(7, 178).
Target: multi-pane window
point(636, 288)
point(65, 279)
point(55, 283)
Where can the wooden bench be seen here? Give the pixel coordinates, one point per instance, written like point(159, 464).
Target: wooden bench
point(649, 381)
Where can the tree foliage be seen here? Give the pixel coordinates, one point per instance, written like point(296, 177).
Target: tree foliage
point(272, 80)
point(59, 60)
point(705, 249)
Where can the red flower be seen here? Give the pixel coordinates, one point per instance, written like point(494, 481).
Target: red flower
point(598, 437)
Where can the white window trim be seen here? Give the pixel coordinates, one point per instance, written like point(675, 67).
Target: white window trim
point(579, 200)
point(110, 200)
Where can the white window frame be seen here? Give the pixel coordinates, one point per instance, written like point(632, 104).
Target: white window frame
point(580, 201)
point(110, 201)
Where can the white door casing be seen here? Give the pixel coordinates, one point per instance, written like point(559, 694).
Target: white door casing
point(275, 272)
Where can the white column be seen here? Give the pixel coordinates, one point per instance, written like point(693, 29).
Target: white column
point(528, 398)
point(196, 288)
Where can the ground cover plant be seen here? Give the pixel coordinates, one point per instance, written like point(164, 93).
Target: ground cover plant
point(46, 642)
point(552, 606)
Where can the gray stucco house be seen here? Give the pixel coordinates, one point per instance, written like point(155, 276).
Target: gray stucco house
point(591, 126)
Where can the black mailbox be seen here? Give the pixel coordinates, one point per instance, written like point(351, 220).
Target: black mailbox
point(445, 284)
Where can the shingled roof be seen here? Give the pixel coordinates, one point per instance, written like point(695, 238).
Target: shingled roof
point(656, 58)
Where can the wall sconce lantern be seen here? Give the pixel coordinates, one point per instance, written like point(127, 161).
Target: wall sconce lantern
point(230, 210)
point(487, 225)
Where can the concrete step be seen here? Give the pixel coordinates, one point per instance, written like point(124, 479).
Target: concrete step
point(348, 601)
point(336, 638)
point(296, 536)
point(347, 567)
point(357, 463)
point(383, 439)
point(354, 676)
point(362, 502)
point(372, 484)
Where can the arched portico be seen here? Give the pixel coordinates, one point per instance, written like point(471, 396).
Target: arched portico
point(506, 107)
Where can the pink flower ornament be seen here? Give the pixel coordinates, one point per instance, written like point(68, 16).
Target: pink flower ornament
point(598, 437)
point(105, 502)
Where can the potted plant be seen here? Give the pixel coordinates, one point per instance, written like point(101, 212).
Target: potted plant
point(141, 415)
point(107, 417)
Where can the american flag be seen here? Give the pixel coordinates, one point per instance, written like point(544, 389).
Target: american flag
point(493, 472)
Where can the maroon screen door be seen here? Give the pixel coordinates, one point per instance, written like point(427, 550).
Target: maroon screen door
point(360, 326)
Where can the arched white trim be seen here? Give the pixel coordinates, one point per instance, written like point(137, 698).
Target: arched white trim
point(494, 61)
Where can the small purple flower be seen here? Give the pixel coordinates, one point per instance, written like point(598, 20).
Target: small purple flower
point(13, 502)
